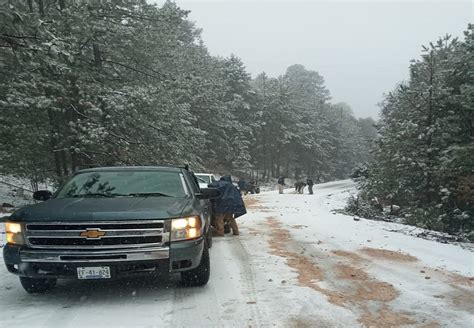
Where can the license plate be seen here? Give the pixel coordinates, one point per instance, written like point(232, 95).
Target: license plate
point(102, 272)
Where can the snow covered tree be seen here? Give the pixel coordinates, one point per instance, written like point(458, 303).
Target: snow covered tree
point(301, 133)
point(424, 156)
point(92, 83)
point(97, 81)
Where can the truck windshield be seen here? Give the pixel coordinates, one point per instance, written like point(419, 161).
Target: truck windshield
point(124, 184)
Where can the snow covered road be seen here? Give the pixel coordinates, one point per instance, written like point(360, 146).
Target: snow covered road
point(295, 264)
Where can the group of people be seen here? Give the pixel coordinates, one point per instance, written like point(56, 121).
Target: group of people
point(299, 185)
point(230, 205)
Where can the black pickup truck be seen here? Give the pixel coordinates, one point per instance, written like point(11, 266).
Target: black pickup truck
point(113, 222)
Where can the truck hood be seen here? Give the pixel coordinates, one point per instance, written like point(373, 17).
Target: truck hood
point(104, 209)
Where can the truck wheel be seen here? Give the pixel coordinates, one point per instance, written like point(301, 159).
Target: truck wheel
point(200, 275)
point(34, 285)
point(209, 238)
point(257, 191)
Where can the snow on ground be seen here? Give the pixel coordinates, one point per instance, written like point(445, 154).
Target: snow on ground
point(14, 191)
point(295, 264)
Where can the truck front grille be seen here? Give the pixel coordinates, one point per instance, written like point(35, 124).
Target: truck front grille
point(96, 235)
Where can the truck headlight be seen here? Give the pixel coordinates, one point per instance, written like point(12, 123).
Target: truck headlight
point(186, 228)
point(14, 233)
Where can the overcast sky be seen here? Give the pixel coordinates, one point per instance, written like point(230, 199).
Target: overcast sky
point(362, 49)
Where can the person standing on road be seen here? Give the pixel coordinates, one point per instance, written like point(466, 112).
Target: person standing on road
point(310, 184)
point(228, 206)
point(241, 184)
point(281, 184)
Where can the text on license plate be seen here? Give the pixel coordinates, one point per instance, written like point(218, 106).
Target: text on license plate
point(102, 272)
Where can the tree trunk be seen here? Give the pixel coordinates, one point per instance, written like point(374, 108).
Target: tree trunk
point(65, 170)
point(40, 7)
point(278, 165)
point(287, 166)
point(97, 57)
point(53, 144)
point(272, 165)
point(34, 184)
point(429, 123)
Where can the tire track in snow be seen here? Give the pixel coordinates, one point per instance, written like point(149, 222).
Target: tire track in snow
point(247, 275)
point(226, 295)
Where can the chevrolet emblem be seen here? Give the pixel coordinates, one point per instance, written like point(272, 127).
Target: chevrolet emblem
point(92, 234)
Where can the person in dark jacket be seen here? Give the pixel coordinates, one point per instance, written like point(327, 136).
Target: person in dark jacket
point(242, 186)
point(281, 184)
point(299, 187)
point(228, 206)
point(310, 184)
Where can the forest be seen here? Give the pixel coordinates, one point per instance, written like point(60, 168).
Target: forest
point(94, 83)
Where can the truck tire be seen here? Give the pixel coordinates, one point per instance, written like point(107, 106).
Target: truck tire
point(257, 191)
point(35, 285)
point(209, 238)
point(200, 275)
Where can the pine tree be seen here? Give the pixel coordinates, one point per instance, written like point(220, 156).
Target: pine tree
point(423, 159)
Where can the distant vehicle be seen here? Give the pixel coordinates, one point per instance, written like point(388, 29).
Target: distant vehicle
point(205, 178)
point(251, 187)
point(113, 222)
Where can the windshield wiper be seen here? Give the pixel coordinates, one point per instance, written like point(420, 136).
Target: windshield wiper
point(135, 194)
point(97, 194)
point(149, 194)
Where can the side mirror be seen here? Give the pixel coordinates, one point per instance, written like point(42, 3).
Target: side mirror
point(42, 195)
point(209, 193)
